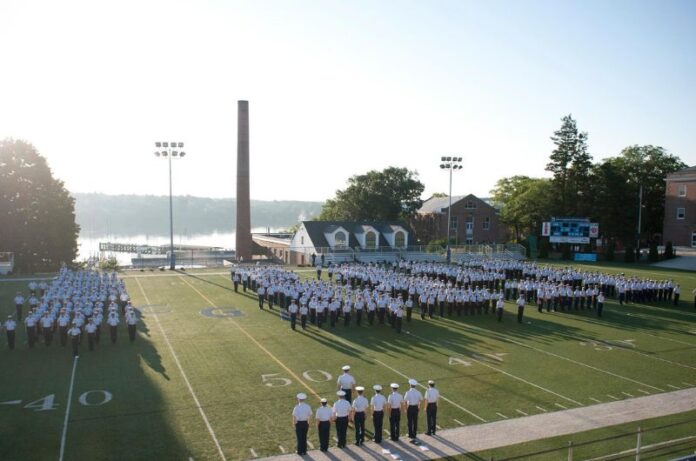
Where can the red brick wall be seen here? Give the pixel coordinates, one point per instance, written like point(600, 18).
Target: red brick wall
point(678, 231)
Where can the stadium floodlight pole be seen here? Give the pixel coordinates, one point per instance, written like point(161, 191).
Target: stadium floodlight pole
point(640, 216)
point(168, 150)
point(451, 164)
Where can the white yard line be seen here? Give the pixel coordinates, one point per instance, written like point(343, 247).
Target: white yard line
point(183, 375)
point(504, 338)
point(540, 408)
point(627, 394)
point(282, 449)
point(581, 338)
point(561, 406)
point(67, 410)
point(458, 422)
point(644, 392)
point(501, 415)
point(612, 397)
point(526, 382)
point(595, 400)
point(253, 453)
point(521, 412)
point(687, 384)
point(674, 387)
point(441, 396)
point(309, 444)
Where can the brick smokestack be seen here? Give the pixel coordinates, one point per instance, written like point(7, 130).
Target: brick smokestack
point(243, 203)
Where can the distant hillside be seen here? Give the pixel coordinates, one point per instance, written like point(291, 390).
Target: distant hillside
point(100, 214)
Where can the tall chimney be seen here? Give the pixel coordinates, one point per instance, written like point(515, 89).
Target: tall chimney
point(243, 203)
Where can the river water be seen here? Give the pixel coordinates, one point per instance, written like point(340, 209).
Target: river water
point(88, 245)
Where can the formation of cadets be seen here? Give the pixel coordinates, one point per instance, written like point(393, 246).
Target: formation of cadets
point(392, 293)
point(345, 409)
point(74, 305)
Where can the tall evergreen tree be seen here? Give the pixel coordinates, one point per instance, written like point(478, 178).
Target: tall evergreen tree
point(38, 213)
point(570, 164)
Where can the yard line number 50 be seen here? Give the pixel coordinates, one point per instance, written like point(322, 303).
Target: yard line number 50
point(275, 380)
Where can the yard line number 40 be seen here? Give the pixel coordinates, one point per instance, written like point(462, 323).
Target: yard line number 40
point(88, 399)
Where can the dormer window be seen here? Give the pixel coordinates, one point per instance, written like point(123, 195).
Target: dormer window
point(370, 240)
point(341, 239)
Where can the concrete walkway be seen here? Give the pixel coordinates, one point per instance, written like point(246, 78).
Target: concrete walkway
point(685, 262)
point(498, 434)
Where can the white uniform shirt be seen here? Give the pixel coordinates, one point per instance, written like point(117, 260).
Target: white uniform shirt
point(413, 396)
point(378, 401)
point(346, 381)
point(302, 412)
point(10, 325)
point(360, 403)
point(341, 408)
point(432, 395)
point(90, 328)
point(395, 400)
point(323, 413)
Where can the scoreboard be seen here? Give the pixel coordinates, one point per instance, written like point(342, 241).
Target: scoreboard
point(570, 230)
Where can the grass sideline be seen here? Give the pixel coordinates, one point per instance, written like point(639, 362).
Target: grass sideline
point(244, 366)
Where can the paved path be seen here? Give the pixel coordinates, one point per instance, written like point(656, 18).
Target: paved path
point(685, 262)
point(465, 439)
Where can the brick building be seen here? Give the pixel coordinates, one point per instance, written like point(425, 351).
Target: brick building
point(474, 221)
point(680, 208)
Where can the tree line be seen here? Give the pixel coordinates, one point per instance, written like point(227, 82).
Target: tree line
point(608, 192)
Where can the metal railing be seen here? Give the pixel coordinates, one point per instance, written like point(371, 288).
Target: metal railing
point(588, 450)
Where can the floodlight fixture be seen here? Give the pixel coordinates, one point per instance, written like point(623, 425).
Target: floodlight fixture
point(442, 159)
point(158, 145)
point(157, 154)
point(175, 153)
point(165, 145)
point(173, 144)
point(181, 144)
point(181, 154)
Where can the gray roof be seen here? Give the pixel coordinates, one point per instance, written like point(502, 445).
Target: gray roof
point(437, 204)
point(317, 229)
point(684, 172)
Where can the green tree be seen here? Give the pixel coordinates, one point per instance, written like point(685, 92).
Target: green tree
point(38, 212)
point(645, 166)
point(570, 164)
point(523, 203)
point(393, 193)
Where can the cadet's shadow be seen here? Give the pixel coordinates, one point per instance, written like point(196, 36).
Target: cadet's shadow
point(149, 353)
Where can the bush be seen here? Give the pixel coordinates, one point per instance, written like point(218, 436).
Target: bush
point(566, 252)
point(109, 264)
point(611, 251)
point(653, 255)
point(543, 248)
point(435, 246)
point(669, 251)
point(630, 255)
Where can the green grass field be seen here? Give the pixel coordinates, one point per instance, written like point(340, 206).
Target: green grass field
point(200, 387)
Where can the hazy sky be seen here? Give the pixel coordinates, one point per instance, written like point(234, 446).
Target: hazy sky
point(339, 87)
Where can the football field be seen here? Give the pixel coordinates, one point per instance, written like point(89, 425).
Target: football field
point(211, 376)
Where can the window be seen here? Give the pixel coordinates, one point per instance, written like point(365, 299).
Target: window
point(682, 190)
point(470, 205)
point(454, 220)
point(469, 241)
point(302, 240)
point(470, 225)
point(693, 239)
point(371, 240)
point(486, 223)
point(681, 213)
point(340, 239)
point(400, 240)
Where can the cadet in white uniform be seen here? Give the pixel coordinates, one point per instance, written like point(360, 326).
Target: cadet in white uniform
point(394, 401)
point(360, 406)
point(323, 417)
point(19, 303)
point(520, 308)
point(301, 415)
point(10, 327)
point(341, 412)
point(91, 330)
point(377, 404)
point(346, 383)
point(413, 399)
point(292, 310)
point(74, 333)
point(432, 395)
